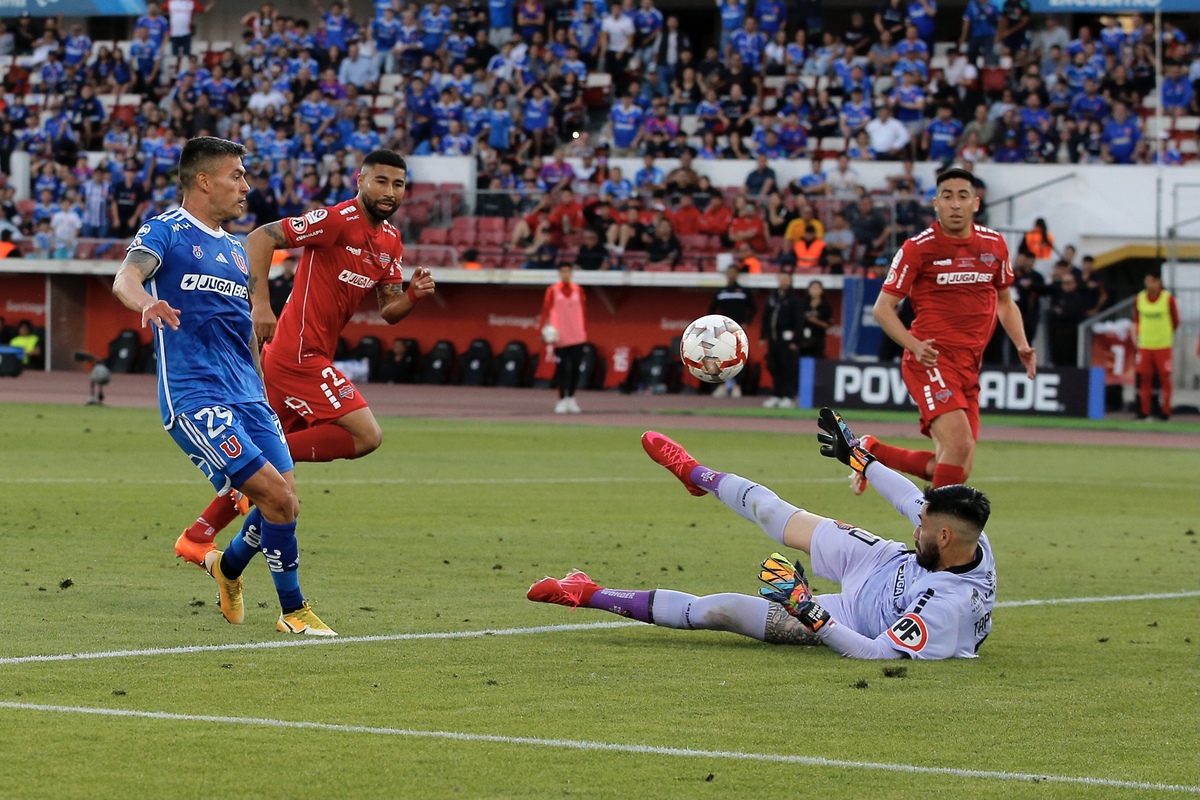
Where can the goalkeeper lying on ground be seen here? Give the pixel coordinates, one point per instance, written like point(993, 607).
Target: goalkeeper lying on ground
point(932, 602)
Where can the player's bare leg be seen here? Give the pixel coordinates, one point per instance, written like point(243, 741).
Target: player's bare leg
point(955, 443)
point(351, 436)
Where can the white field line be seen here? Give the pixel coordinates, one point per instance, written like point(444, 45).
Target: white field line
point(308, 480)
point(612, 747)
point(404, 637)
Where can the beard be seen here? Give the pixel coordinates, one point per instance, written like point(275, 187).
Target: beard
point(377, 213)
point(928, 556)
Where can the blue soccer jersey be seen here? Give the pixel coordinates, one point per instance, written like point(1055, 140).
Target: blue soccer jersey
point(202, 272)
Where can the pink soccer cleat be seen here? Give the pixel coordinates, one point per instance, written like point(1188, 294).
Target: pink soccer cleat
point(671, 455)
point(573, 591)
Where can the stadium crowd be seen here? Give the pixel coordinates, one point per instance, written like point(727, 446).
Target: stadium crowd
point(530, 88)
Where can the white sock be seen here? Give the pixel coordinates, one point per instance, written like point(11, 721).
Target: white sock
point(742, 614)
point(756, 503)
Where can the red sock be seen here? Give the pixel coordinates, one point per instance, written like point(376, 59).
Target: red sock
point(321, 443)
point(948, 475)
point(914, 462)
point(220, 512)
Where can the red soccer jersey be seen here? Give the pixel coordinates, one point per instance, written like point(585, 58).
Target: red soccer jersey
point(952, 285)
point(343, 260)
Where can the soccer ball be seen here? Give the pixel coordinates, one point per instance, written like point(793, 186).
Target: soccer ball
point(714, 348)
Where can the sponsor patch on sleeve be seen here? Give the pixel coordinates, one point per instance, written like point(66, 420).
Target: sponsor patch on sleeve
point(909, 632)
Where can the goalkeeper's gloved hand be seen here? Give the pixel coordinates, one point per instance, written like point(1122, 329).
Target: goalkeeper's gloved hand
point(785, 582)
point(811, 615)
point(839, 442)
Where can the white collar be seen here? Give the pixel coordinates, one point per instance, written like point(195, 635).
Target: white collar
point(216, 234)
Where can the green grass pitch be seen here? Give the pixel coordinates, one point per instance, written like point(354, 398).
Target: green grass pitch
point(443, 529)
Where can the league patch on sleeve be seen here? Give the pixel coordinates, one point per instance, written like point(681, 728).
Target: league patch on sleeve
point(909, 632)
point(299, 224)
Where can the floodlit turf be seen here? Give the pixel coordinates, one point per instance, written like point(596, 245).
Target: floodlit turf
point(444, 528)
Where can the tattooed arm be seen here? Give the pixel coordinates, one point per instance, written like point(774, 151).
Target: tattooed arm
point(261, 245)
point(783, 628)
point(137, 268)
point(396, 303)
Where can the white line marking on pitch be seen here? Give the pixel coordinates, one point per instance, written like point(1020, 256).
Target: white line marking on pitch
point(641, 749)
point(404, 637)
point(312, 480)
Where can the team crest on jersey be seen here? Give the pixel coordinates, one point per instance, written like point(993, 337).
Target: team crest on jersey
point(142, 231)
point(943, 395)
point(197, 252)
point(988, 258)
point(346, 392)
point(241, 262)
point(385, 258)
point(909, 632)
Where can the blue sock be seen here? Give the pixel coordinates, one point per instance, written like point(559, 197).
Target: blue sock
point(244, 546)
point(283, 557)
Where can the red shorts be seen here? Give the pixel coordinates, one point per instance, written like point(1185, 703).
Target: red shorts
point(312, 393)
point(940, 389)
point(1158, 361)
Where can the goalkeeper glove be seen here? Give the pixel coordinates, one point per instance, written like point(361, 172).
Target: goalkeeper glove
point(839, 442)
point(785, 582)
point(788, 586)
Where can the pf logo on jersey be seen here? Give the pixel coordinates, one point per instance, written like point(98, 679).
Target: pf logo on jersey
point(909, 632)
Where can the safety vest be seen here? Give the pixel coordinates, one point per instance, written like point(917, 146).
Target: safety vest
point(1155, 329)
point(1041, 247)
point(752, 265)
point(808, 256)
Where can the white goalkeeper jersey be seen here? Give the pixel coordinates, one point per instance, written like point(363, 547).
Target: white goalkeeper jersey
point(923, 614)
point(892, 607)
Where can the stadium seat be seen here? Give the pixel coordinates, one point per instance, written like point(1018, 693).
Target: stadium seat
point(123, 352)
point(512, 365)
point(370, 348)
point(591, 367)
point(383, 102)
point(832, 144)
point(475, 364)
point(438, 363)
point(148, 359)
point(435, 236)
point(995, 79)
point(694, 242)
point(382, 121)
point(489, 223)
point(390, 83)
point(490, 238)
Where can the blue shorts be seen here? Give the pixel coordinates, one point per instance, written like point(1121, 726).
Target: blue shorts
point(231, 443)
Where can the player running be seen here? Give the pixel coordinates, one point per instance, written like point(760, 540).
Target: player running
point(349, 249)
point(956, 275)
point(933, 602)
point(188, 278)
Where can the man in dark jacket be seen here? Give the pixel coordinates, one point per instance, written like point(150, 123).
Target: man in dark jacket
point(1068, 308)
point(779, 337)
point(736, 303)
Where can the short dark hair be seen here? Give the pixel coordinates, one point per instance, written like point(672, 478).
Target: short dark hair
point(199, 153)
point(955, 173)
point(961, 503)
point(389, 158)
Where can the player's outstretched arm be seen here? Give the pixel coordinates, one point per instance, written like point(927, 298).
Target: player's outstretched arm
point(137, 268)
point(261, 245)
point(1010, 319)
point(396, 302)
point(838, 441)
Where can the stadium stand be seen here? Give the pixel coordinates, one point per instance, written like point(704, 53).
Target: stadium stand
point(544, 107)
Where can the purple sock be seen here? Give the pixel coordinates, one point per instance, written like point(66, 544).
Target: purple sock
point(635, 605)
point(706, 478)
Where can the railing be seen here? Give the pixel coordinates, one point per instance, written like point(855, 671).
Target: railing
point(1010, 198)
